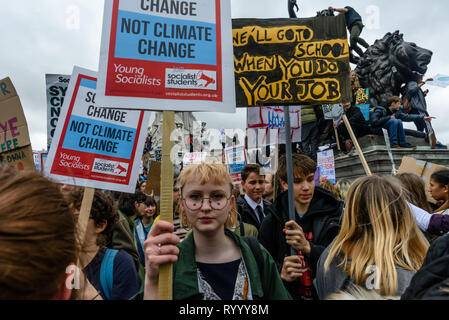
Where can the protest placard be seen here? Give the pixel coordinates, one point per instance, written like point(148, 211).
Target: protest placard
point(291, 61)
point(167, 55)
point(20, 158)
point(326, 165)
point(193, 157)
point(39, 158)
point(362, 101)
point(333, 112)
point(15, 144)
point(36, 160)
point(236, 160)
point(440, 80)
point(56, 89)
point(266, 126)
point(93, 146)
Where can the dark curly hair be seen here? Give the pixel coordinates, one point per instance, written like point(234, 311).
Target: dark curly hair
point(126, 202)
point(103, 210)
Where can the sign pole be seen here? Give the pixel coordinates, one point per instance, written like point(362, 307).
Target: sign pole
point(165, 271)
point(336, 138)
point(289, 153)
point(357, 146)
point(390, 152)
point(83, 218)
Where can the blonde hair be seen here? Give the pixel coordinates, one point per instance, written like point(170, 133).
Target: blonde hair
point(378, 229)
point(355, 84)
point(343, 187)
point(214, 173)
point(332, 188)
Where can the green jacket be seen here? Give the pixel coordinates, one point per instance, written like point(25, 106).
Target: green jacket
point(126, 240)
point(308, 114)
point(268, 286)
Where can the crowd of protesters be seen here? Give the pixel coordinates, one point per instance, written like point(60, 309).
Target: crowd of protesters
point(373, 236)
point(378, 234)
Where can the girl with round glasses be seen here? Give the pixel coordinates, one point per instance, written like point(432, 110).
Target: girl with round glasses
point(212, 263)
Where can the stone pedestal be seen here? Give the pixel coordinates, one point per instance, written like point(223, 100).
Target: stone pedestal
point(374, 149)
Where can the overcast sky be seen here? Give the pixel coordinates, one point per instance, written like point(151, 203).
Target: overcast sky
point(51, 36)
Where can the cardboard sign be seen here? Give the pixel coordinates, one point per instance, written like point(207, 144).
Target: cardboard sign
point(15, 144)
point(56, 89)
point(291, 61)
point(93, 146)
point(13, 126)
point(423, 169)
point(326, 164)
point(236, 159)
point(20, 159)
point(167, 55)
point(266, 126)
point(154, 179)
point(194, 157)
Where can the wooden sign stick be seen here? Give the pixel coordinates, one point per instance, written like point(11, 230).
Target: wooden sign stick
point(165, 271)
point(83, 218)
point(336, 138)
point(357, 146)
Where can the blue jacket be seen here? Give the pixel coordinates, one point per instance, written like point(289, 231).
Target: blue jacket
point(380, 116)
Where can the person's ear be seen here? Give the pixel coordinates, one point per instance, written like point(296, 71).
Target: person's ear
point(232, 200)
point(180, 204)
point(284, 184)
point(100, 229)
point(136, 204)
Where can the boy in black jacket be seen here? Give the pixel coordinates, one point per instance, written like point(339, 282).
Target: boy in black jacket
point(251, 206)
point(358, 124)
point(391, 118)
point(316, 224)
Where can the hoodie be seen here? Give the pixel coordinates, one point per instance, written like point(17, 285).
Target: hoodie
point(321, 223)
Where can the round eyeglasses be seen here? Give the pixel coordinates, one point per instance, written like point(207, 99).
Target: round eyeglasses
point(216, 202)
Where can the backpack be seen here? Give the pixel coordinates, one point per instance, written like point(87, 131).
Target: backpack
point(107, 272)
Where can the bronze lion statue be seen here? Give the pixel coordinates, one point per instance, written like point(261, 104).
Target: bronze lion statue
point(389, 64)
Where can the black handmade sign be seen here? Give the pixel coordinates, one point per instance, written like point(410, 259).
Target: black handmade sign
point(291, 61)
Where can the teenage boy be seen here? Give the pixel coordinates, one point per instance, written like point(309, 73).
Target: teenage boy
point(317, 222)
point(391, 118)
point(251, 206)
